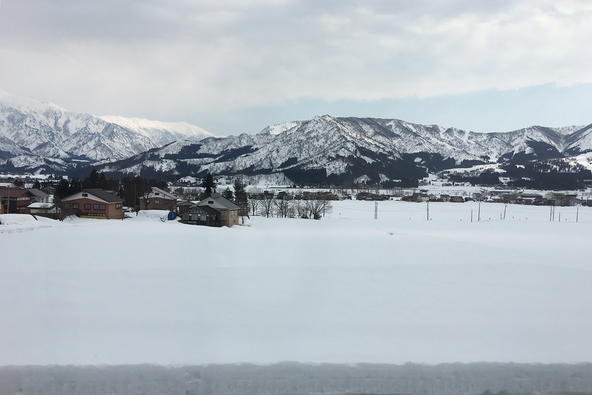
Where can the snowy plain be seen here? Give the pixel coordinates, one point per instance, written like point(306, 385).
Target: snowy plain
point(345, 289)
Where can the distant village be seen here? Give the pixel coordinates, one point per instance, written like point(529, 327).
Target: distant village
point(211, 202)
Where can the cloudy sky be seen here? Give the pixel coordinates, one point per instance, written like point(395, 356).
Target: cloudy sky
point(236, 66)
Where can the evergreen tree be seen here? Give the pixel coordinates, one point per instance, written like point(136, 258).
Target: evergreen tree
point(93, 180)
point(76, 185)
point(102, 183)
point(209, 184)
point(62, 189)
point(241, 198)
point(227, 194)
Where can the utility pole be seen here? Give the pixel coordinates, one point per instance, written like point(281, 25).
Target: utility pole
point(577, 212)
point(375, 210)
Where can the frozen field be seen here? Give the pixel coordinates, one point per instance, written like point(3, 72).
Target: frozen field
point(345, 289)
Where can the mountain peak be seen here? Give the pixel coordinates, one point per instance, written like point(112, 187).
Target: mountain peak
point(25, 104)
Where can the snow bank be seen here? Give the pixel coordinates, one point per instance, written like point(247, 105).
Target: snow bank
point(345, 289)
point(13, 223)
point(295, 378)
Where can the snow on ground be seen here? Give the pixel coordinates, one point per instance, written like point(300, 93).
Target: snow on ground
point(347, 288)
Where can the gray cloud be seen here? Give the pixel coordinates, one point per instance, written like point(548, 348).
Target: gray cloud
point(186, 60)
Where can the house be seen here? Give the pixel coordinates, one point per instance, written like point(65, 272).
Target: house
point(158, 199)
point(44, 210)
point(50, 190)
point(38, 196)
point(15, 200)
point(201, 215)
point(417, 197)
point(228, 211)
point(183, 207)
point(94, 203)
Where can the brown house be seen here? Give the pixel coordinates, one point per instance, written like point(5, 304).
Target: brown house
point(158, 199)
point(212, 211)
point(228, 210)
point(94, 203)
point(15, 201)
point(202, 215)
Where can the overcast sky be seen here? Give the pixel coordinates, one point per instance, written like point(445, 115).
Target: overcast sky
point(236, 66)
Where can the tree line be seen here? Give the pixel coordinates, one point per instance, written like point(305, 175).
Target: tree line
point(129, 188)
point(312, 206)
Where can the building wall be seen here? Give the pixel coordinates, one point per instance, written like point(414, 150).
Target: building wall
point(87, 208)
point(163, 204)
point(21, 204)
point(230, 217)
point(16, 205)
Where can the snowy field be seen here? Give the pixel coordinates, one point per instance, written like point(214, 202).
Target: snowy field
point(346, 289)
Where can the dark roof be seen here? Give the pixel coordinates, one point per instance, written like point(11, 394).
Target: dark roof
point(38, 193)
point(13, 193)
point(49, 189)
point(101, 194)
point(206, 209)
point(219, 202)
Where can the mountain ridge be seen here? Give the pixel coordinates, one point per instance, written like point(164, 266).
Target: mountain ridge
point(321, 150)
point(342, 150)
point(45, 130)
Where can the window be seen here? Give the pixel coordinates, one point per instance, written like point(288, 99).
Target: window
point(99, 207)
point(66, 205)
point(85, 195)
point(87, 206)
point(156, 201)
point(75, 206)
point(118, 205)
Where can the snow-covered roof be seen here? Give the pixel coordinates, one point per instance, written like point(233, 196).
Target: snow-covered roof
point(40, 205)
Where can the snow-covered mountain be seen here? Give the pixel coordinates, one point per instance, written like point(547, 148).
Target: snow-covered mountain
point(45, 137)
point(160, 132)
point(340, 150)
point(45, 130)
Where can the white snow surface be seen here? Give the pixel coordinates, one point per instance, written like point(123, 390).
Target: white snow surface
point(163, 132)
point(344, 289)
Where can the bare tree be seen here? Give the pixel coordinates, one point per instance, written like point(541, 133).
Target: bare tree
point(317, 206)
point(254, 204)
point(267, 205)
point(300, 208)
point(193, 193)
point(283, 208)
